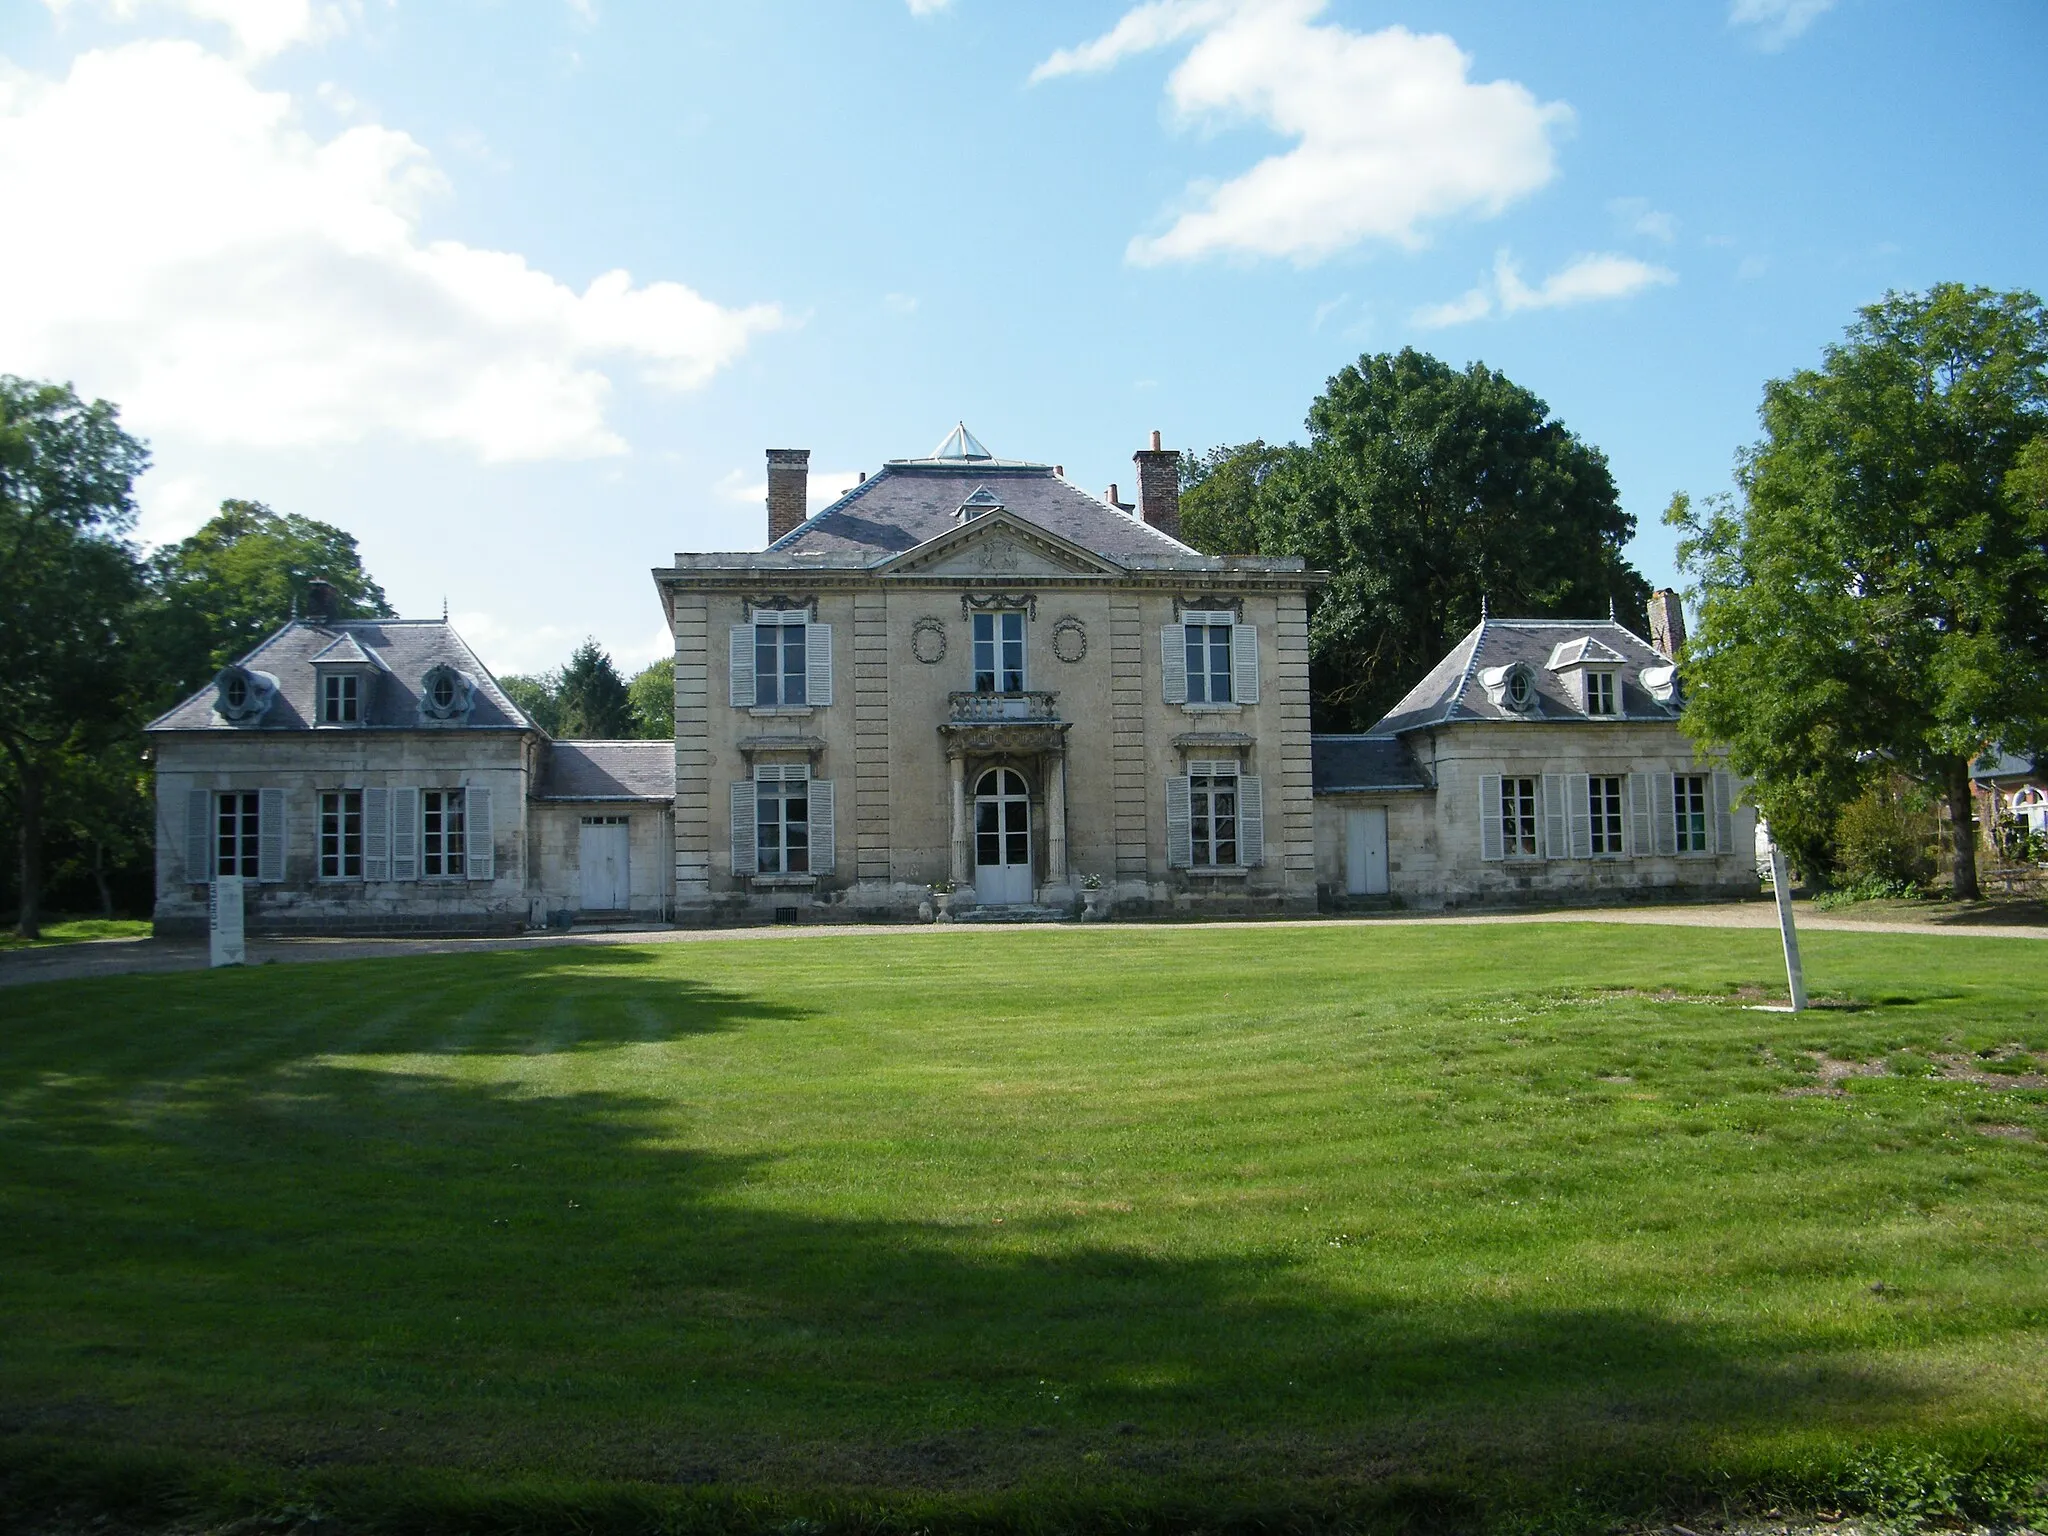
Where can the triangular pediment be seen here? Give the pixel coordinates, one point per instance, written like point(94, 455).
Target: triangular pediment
point(999, 543)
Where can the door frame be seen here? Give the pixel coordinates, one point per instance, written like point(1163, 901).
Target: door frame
point(975, 801)
point(624, 824)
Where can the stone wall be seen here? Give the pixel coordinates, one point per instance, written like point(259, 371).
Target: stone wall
point(557, 834)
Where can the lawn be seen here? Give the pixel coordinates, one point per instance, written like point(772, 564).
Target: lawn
point(77, 930)
point(1526, 1224)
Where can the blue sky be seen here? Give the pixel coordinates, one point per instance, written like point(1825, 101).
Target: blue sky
point(518, 292)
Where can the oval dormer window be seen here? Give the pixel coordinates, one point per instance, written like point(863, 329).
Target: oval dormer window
point(444, 693)
point(1518, 690)
point(237, 692)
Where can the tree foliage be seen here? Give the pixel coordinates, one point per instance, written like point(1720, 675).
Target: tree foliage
point(240, 577)
point(70, 587)
point(1878, 597)
point(654, 700)
point(1425, 491)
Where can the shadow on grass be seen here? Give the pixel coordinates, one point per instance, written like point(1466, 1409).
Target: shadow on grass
point(287, 1258)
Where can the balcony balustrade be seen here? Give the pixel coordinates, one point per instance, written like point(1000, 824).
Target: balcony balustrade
point(1003, 708)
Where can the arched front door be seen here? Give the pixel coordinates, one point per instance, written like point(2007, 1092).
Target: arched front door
point(1002, 837)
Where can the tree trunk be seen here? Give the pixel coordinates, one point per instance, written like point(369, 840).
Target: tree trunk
point(1961, 806)
point(29, 924)
point(99, 877)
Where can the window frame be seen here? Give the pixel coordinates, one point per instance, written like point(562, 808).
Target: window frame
point(778, 856)
point(1202, 679)
point(780, 640)
point(1607, 826)
point(444, 851)
point(1603, 695)
point(334, 841)
point(1691, 828)
point(238, 843)
point(1521, 816)
point(1001, 648)
point(341, 695)
point(1205, 841)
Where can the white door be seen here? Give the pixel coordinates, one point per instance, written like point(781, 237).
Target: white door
point(1002, 838)
point(1365, 852)
point(602, 854)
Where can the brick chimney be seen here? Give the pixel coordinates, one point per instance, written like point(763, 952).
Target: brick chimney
point(323, 602)
point(1667, 622)
point(1159, 487)
point(789, 490)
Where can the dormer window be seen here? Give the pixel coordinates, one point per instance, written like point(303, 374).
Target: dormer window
point(341, 698)
point(1511, 689)
point(243, 696)
point(1600, 694)
point(236, 692)
point(1516, 694)
point(446, 695)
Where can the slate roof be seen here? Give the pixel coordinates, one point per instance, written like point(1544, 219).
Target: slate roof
point(406, 649)
point(610, 770)
point(2005, 765)
point(1452, 691)
point(1349, 764)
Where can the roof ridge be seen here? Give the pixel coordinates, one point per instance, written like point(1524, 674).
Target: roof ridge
point(1477, 635)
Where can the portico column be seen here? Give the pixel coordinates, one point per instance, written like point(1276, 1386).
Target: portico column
point(957, 763)
point(1056, 822)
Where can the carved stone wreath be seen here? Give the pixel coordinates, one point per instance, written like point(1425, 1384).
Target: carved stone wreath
point(928, 641)
point(1070, 639)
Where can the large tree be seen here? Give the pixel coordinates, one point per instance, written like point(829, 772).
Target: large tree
point(1877, 599)
point(1219, 495)
point(1427, 492)
point(653, 690)
point(593, 698)
point(69, 596)
point(240, 577)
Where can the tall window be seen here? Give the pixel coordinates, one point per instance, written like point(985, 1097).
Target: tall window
point(1600, 693)
point(341, 834)
point(1208, 648)
point(779, 664)
point(999, 652)
point(338, 698)
point(782, 826)
point(237, 818)
point(1212, 807)
point(1604, 802)
point(1689, 806)
point(441, 831)
point(1518, 817)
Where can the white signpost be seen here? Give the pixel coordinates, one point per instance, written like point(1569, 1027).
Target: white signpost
point(1781, 882)
point(224, 920)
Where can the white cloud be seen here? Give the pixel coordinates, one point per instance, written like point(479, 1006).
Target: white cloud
point(928, 7)
point(1582, 280)
point(900, 303)
point(1390, 134)
point(233, 278)
point(1636, 217)
point(1777, 22)
point(261, 28)
point(826, 486)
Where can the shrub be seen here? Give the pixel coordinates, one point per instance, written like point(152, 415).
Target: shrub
point(1881, 836)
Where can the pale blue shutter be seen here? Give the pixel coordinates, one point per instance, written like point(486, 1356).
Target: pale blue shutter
point(1639, 845)
point(1180, 835)
point(199, 836)
point(1724, 814)
point(1491, 836)
point(1244, 662)
point(1663, 813)
point(376, 834)
point(824, 844)
point(1555, 834)
point(1173, 662)
point(405, 834)
point(742, 669)
point(818, 663)
point(745, 857)
point(1251, 820)
point(1578, 791)
point(479, 839)
point(270, 835)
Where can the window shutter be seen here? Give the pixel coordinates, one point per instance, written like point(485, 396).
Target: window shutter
point(1724, 814)
point(405, 834)
point(1244, 662)
point(199, 836)
point(1180, 833)
point(479, 841)
point(745, 856)
point(1639, 815)
point(1551, 788)
point(1251, 820)
point(743, 666)
point(1664, 814)
point(1491, 837)
point(1578, 789)
point(270, 835)
point(824, 847)
point(376, 834)
point(1173, 662)
point(818, 663)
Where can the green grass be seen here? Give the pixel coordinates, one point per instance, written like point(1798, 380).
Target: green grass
point(1461, 1225)
point(77, 930)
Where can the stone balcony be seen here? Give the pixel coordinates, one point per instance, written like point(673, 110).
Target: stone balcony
point(1003, 709)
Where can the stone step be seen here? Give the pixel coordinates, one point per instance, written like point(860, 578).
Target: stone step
point(1021, 912)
